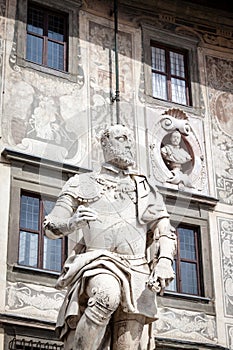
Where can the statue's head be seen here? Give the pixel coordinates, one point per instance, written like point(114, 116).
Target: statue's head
point(175, 138)
point(118, 146)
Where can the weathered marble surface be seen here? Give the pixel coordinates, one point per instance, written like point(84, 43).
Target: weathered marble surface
point(108, 275)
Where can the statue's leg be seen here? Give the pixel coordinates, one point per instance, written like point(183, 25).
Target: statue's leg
point(127, 332)
point(104, 294)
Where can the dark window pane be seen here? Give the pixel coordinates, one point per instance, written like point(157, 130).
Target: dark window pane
point(28, 249)
point(178, 91)
point(158, 59)
point(159, 86)
point(55, 55)
point(187, 244)
point(56, 28)
point(29, 213)
point(34, 49)
point(35, 21)
point(52, 259)
point(189, 278)
point(177, 64)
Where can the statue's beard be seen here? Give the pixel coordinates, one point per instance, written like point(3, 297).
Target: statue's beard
point(121, 159)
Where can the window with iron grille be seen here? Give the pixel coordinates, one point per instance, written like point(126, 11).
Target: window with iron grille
point(35, 249)
point(47, 37)
point(170, 79)
point(187, 262)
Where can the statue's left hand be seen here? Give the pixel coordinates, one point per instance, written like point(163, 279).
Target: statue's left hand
point(161, 276)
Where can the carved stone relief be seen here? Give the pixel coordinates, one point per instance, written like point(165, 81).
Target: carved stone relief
point(220, 85)
point(177, 324)
point(182, 165)
point(33, 301)
point(225, 228)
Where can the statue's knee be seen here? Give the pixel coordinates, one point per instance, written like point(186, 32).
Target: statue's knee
point(104, 297)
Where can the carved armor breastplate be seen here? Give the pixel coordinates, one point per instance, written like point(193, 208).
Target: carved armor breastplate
point(116, 228)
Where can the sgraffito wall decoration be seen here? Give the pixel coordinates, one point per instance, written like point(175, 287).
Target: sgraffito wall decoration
point(220, 95)
point(185, 325)
point(43, 114)
point(225, 229)
point(2, 46)
point(34, 301)
point(229, 331)
point(97, 36)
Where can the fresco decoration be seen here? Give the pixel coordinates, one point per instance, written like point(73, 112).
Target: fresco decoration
point(186, 325)
point(102, 77)
point(220, 95)
point(33, 301)
point(180, 166)
point(225, 229)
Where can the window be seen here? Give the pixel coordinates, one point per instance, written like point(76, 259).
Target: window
point(187, 262)
point(170, 74)
point(47, 38)
point(35, 249)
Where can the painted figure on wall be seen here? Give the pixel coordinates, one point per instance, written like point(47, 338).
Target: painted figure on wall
point(124, 257)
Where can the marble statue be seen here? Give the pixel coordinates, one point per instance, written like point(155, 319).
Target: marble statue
point(125, 254)
point(175, 156)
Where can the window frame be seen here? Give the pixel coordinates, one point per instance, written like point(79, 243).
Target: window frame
point(186, 210)
point(198, 261)
point(45, 38)
point(73, 44)
point(169, 75)
point(29, 174)
point(174, 40)
point(40, 233)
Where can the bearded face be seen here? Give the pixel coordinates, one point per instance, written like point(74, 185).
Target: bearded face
point(118, 147)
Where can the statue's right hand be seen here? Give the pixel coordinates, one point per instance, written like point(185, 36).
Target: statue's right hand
point(81, 216)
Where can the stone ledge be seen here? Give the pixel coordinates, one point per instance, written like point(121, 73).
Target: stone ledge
point(183, 344)
point(208, 201)
point(13, 155)
point(25, 321)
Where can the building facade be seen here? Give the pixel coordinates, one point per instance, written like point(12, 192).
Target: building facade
point(58, 78)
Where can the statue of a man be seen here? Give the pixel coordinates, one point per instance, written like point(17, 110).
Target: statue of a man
point(110, 278)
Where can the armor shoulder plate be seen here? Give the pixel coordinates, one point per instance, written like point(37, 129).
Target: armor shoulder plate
point(83, 187)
